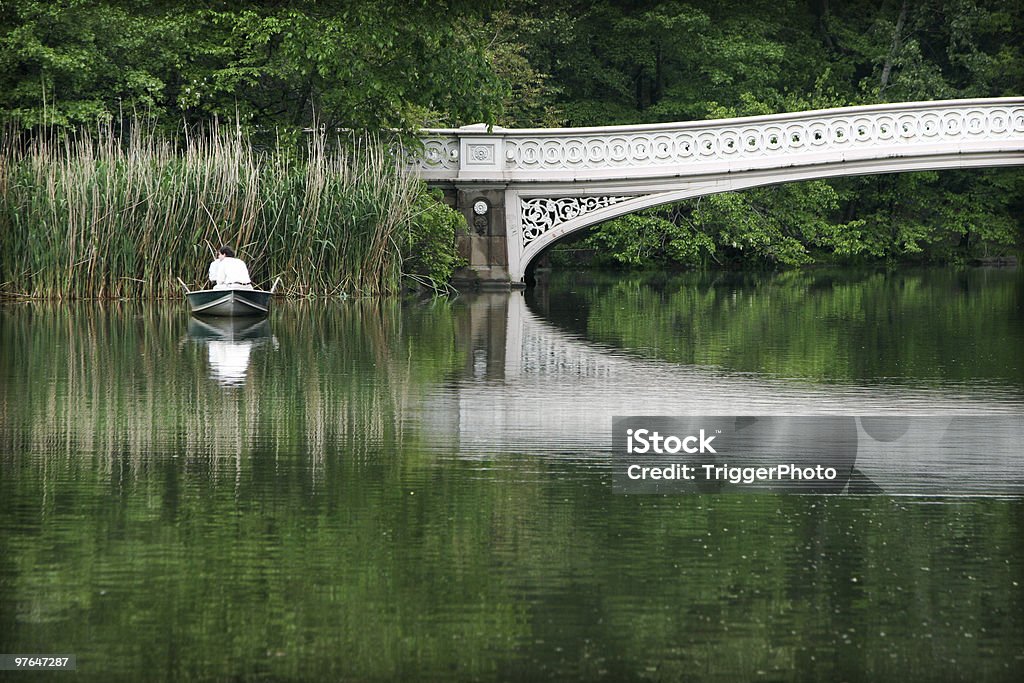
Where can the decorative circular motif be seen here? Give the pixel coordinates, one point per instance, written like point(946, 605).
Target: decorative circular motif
point(695, 143)
point(886, 127)
point(999, 121)
point(952, 123)
point(753, 140)
point(685, 145)
point(975, 122)
point(729, 142)
point(930, 125)
point(529, 153)
point(640, 150)
point(439, 154)
point(663, 147)
point(818, 134)
point(707, 144)
point(863, 129)
point(480, 207)
point(908, 126)
point(618, 149)
point(796, 136)
point(575, 152)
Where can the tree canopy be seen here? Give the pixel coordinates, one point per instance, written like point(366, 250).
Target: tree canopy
point(367, 64)
point(647, 61)
point(386, 64)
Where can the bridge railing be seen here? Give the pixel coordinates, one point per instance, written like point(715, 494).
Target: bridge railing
point(474, 153)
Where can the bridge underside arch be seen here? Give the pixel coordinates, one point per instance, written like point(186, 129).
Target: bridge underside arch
point(537, 219)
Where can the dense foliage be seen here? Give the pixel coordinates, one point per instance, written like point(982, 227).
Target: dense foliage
point(612, 62)
point(280, 66)
point(359, 64)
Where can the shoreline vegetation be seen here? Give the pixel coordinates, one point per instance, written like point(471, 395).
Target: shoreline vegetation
point(121, 213)
point(98, 214)
point(114, 213)
point(87, 213)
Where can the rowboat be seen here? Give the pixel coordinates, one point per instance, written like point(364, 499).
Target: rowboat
point(231, 302)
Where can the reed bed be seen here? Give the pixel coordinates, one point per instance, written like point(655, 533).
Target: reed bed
point(115, 214)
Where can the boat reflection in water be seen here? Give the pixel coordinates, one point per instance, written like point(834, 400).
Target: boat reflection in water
point(230, 342)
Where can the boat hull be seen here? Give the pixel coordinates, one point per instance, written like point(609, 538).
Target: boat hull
point(229, 303)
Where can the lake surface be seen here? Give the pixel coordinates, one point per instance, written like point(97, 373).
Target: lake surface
point(422, 491)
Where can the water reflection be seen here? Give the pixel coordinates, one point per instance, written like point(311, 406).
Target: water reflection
point(230, 342)
point(539, 384)
point(423, 490)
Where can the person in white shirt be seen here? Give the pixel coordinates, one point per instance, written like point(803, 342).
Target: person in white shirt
point(229, 272)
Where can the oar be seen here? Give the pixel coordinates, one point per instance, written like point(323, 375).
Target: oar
point(187, 290)
point(274, 286)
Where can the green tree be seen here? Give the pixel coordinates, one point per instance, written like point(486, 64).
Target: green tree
point(669, 60)
point(366, 64)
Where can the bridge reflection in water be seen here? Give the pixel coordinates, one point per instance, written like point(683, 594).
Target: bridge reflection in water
point(529, 386)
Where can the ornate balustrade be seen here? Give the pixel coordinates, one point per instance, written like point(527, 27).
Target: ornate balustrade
point(554, 181)
point(694, 148)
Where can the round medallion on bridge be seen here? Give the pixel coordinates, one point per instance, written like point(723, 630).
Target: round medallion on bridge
point(796, 136)
point(619, 149)
point(662, 147)
point(953, 123)
point(886, 125)
point(729, 141)
point(530, 152)
point(752, 139)
point(840, 132)
point(819, 134)
point(480, 207)
point(863, 129)
point(975, 122)
point(908, 126)
point(639, 149)
point(684, 145)
point(707, 144)
point(575, 152)
point(998, 120)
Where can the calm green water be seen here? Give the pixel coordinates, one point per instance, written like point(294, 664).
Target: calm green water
point(421, 491)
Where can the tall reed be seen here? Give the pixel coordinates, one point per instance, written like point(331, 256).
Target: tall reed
point(123, 214)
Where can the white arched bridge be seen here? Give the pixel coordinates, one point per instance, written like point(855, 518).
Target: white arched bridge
point(524, 189)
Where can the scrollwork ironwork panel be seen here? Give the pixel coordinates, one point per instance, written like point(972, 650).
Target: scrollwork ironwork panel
point(542, 214)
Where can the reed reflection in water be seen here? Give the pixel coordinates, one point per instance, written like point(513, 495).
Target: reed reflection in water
point(422, 490)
